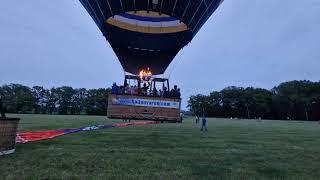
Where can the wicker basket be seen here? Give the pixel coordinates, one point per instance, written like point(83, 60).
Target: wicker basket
point(8, 130)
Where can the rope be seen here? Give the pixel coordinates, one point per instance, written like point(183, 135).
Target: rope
point(175, 63)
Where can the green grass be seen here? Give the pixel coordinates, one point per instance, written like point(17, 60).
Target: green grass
point(231, 149)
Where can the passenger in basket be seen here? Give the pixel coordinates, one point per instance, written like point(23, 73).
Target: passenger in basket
point(114, 89)
point(127, 90)
point(160, 93)
point(144, 89)
point(126, 83)
point(130, 90)
point(178, 94)
point(165, 92)
point(174, 92)
point(149, 92)
point(121, 90)
point(135, 90)
point(155, 92)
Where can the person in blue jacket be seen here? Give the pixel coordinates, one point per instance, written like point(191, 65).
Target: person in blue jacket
point(115, 89)
point(204, 123)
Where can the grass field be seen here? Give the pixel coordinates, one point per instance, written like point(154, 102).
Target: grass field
point(231, 149)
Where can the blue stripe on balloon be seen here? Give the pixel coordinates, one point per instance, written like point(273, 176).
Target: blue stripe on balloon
point(150, 19)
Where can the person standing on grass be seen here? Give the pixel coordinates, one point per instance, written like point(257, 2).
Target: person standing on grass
point(204, 123)
point(197, 119)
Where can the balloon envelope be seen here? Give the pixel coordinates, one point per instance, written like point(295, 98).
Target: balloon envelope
point(149, 33)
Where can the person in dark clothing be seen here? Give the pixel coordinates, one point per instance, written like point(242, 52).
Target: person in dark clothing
point(115, 89)
point(171, 93)
point(155, 91)
point(126, 87)
point(178, 93)
point(126, 83)
point(204, 123)
point(197, 119)
point(122, 90)
point(144, 89)
point(174, 92)
point(165, 92)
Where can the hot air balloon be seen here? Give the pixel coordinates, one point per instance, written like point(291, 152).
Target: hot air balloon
point(146, 35)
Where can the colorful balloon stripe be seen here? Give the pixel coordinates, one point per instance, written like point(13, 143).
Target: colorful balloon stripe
point(44, 135)
point(146, 18)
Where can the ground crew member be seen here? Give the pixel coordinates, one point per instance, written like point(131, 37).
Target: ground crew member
point(204, 123)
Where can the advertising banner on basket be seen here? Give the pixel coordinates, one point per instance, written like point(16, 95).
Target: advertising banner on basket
point(145, 103)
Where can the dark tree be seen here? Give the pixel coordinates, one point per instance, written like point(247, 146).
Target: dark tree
point(298, 100)
point(3, 115)
point(96, 101)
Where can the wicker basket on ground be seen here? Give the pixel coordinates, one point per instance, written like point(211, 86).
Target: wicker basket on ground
point(8, 130)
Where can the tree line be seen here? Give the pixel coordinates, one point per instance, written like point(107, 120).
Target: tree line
point(294, 100)
point(64, 100)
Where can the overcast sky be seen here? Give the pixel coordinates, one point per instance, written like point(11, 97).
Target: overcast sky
point(257, 43)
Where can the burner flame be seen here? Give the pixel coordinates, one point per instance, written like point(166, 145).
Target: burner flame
point(145, 73)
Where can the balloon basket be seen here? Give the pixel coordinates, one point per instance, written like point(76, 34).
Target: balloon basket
point(8, 131)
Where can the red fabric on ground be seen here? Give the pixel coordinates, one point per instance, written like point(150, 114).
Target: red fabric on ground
point(43, 135)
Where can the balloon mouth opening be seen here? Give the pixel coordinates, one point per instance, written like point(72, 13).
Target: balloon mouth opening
point(147, 22)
